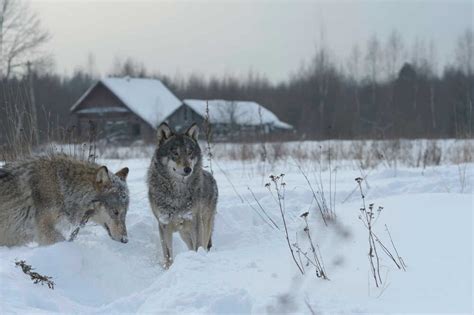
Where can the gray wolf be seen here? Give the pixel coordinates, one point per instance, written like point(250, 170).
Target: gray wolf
point(41, 194)
point(182, 195)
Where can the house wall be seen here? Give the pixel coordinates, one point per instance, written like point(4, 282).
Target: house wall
point(114, 127)
point(184, 117)
point(100, 96)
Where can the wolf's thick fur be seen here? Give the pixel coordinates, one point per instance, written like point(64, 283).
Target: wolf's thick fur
point(38, 194)
point(182, 195)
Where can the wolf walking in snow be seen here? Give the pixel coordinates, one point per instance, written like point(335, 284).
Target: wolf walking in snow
point(39, 195)
point(182, 195)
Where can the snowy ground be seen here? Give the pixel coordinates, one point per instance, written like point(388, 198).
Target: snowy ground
point(249, 269)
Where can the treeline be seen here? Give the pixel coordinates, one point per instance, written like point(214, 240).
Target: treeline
point(381, 91)
point(327, 104)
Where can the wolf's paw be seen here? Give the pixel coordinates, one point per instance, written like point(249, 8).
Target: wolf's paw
point(167, 264)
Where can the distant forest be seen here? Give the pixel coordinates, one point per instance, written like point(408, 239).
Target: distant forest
point(382, 91)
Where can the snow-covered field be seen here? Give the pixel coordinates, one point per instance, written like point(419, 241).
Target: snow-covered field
point(249, 269)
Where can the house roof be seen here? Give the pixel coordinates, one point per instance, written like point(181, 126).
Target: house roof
point(241, 112)
point(147, 98)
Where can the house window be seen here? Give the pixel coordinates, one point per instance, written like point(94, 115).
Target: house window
point(116, 130)
point(136, 130)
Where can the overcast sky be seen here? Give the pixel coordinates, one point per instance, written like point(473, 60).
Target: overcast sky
point(222, 37)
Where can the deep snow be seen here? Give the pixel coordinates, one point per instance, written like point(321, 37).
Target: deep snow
point(249, 269)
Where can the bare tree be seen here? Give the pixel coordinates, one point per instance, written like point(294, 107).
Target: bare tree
point(128, 68)
point(322, 67)
point(21, 37)
point(353, 63)
point(465, 61)
point(353, 66)
point(465, 52)
point(419, 60)
point(373, 59)
point(91, 66)
point(432, 71)
point(393, 54)
point(373, 63)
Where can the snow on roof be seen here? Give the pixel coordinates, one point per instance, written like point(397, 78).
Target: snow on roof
point(147, 98)
point(241, 112)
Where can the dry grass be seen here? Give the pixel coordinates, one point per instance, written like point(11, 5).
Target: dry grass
point(369, 154)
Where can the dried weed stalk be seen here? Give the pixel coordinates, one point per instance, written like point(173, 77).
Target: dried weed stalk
point(369, 216)
point(208, 133)
point(279, 186)
point(317, 261)
point(34, 276)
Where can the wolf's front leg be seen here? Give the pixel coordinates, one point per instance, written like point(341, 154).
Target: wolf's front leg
point(186, 233)
point(205, 227)
point(203, 231)
point(166, 238)
point(209, 224)
point(47, 234)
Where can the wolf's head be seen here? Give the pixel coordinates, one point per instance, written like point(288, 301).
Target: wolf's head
point(179, 154)
point(111, 202)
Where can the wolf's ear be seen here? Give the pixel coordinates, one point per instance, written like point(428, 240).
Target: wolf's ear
point(123, 173)
point(102, 176)
point(193, 131)
point(163, 132)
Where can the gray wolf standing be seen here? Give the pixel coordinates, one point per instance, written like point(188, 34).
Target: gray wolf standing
point(39, 195)
point(182, 195)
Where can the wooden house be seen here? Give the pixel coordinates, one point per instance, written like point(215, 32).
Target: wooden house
point(229, 120)
point(124, 109)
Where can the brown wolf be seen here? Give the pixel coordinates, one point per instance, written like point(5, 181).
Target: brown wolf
point(40, 194)
point(182, 195)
